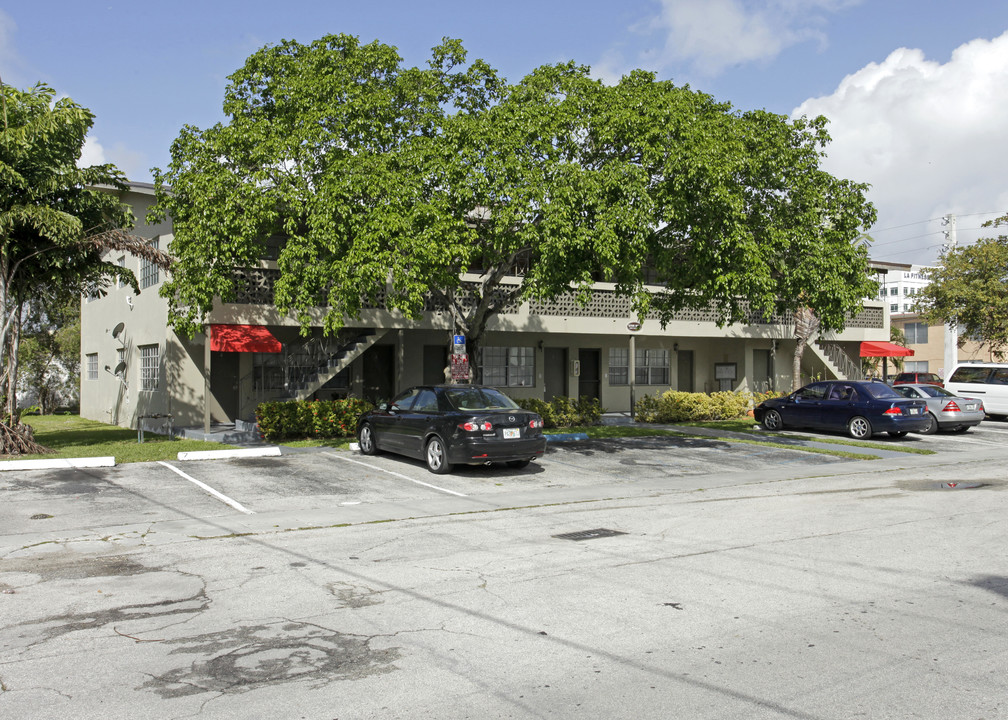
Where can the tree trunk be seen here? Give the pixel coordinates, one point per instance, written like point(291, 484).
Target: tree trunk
point(14, 341)
point(806, 323)
point(796, 363)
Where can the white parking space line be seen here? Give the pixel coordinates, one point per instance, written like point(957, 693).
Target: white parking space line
point(220, 496)
point(392, 472)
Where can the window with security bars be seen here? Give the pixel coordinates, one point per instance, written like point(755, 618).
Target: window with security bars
point(92, 366)
point(149, 272)
point(508, 366)
point(619, 366)
point(121, 262)
point(651, 366)
point(149, 362)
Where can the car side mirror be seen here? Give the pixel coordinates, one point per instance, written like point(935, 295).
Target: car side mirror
point(384, 407)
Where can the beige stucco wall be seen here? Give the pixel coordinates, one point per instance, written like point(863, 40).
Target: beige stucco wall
point(933, 351)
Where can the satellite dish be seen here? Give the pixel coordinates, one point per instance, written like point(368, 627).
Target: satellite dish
point(117, 330)
point(120, 369)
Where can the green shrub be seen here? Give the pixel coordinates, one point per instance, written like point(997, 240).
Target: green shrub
point(564, 411)
point(673, 406)
point(310, 419)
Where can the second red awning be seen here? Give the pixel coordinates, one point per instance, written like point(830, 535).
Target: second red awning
point(243, 338)
point(883, 349)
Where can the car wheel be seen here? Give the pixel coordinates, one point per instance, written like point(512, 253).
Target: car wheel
point(898, 433)
point(437, 458)
point(366, 440)
point(772, 420)
point(518, 464)
point(859, 428)
point(932, 426)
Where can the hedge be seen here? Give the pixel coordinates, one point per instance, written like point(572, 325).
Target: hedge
point(673, 406)
point(564, 411)
point(310, 418)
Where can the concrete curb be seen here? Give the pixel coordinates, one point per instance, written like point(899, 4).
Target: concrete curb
point(565, 437)
point(220, 454)
point(57, 463)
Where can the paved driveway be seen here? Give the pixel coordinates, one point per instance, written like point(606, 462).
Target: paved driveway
point(738, 582)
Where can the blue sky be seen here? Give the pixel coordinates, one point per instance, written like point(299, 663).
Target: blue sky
point(916, 91)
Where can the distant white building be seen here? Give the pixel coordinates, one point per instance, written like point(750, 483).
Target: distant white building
point(901, 287)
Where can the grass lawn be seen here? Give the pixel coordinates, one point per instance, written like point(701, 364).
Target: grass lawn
point(70, 436)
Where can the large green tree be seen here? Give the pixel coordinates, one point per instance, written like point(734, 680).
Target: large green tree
point(404, 187)
point(49, 353)
point(56, 220)
point(969, 289)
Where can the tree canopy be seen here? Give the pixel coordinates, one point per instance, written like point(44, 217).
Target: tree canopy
point(390, 183)
point(56, 219)
point(969, 289)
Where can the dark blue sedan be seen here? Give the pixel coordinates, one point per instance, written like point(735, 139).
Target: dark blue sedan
point(859, 408)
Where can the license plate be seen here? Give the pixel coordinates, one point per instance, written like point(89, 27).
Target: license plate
point(511, 433)
point(914, 411)
point(971, 406)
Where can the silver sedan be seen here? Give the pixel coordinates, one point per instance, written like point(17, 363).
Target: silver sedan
point(947, 410)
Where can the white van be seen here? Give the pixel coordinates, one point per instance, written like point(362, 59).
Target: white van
point(987, 381)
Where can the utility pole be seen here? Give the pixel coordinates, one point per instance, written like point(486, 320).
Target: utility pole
point(951, 329)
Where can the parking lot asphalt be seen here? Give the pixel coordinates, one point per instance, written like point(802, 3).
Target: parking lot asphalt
point(738, 581)
point(318, 487)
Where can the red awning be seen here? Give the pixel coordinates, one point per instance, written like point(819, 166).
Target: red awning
point(884, 349)
point(243, 338)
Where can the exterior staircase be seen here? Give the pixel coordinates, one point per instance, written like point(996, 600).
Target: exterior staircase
point(323, 367)
point(838, 362)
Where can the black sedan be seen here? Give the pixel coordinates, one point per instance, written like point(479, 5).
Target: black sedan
point(446, 425)
point(858, 407)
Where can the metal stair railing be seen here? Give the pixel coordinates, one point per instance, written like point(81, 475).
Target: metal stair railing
point(848, 368)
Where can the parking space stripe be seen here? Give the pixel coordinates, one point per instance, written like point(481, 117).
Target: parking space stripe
point(220, 496)
point(392, 472)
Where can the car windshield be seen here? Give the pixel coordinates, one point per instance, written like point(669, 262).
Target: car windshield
point(880, 391)
point(935, 391)
point(475, 398)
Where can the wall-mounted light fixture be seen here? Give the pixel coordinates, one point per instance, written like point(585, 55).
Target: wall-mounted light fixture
point(675, 347)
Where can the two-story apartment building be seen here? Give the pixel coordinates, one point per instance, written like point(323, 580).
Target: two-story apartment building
point(135, 369)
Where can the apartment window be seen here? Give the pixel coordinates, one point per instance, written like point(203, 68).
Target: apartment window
point(651, 367)
point(915, 366)
point(894, 291)
point(149, 367)
point(894, 308)
point(92, 366)
point(916, 333)
point(121, 262)
point(149, 274)
point(619, 366)
point(509, 366)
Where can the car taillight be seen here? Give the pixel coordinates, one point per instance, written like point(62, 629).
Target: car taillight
point(893, 411)
point(951, 407)
point(535, 423)
point(475, 426)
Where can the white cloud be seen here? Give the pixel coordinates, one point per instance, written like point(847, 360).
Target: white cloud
point(929, 137)
point(92, 154)
point(131, 162)
point(712, 35)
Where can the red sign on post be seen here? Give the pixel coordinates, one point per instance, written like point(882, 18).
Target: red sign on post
point(460, 366)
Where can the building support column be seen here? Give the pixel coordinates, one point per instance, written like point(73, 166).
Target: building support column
point(206, 379)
